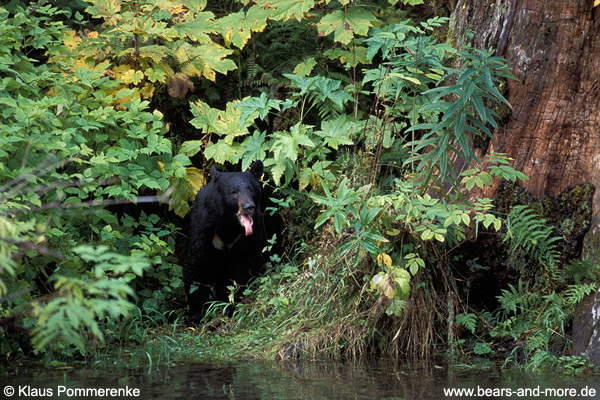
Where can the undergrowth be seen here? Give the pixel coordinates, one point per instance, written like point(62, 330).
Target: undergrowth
point(366, 134)
point(531, 327)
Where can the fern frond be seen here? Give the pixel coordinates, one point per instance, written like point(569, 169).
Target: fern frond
point(576, 293)
point(515, 300)
point(531, 233)
point(580, 270)
point(250, 64)
point(326, 110)
point(468, 321)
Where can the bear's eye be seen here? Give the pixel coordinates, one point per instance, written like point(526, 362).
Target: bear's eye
point(234, 191)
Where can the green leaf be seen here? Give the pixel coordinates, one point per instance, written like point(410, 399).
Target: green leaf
point(302, 83)
point(466, 219)
point(346, 24)
point(204, 116)
point(253, 106)
point(282, 10)
point(482, 348)
point(222, 152)
point(305, 67)
point(289, 144)
point(237, 28)
point(191, 147)
point(336, 132)
point(278, 169)
point(330, 89)
point(252, 148)
point(305, 178)
point(324, 88)
point(358, 55)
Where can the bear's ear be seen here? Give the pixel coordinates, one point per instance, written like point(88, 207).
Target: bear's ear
point(256, 169)
point(214, 173)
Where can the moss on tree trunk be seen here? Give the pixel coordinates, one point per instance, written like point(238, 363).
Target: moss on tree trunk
point(553, 128)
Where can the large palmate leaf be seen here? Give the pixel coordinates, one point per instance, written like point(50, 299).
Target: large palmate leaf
point(237, 28)
point(195, 26)
point(223, 123)
point(253, 148)
point(289, 144)
point(205, 60)
point(262, 105)
point(282, 10)
point(323, 88)
point(336, 132)
point(345, 24)
point(221, 152)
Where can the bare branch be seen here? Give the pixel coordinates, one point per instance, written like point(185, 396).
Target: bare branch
point(16, 294)
point(95, 203)
point(31, 245)
point(20, 182)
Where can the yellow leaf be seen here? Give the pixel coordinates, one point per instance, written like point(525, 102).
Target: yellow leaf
point(155, 52)
point(305, 177)
point(120, 70)
point(132, 76)
point(385, 259)
point(497, 222)
point(210, 75)
point(71, 40)
point(234, 30)
point(147, 91)
point(387, 289)
point(596, 2)
point(122, 97)
point(195, 177)
point(178, 8)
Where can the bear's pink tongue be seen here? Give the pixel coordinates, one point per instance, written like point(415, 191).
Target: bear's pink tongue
point(246, 223)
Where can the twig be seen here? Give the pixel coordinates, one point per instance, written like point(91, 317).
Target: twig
point(96, 203)
point(31, 245)
point(17, 183)
point(16, 294)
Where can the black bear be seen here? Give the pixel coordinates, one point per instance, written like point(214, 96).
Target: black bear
point(226, 236)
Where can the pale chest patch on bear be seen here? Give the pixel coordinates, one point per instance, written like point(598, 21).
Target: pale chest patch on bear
point(219, 244)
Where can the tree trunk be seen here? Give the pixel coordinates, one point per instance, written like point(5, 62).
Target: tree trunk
point(553, 129)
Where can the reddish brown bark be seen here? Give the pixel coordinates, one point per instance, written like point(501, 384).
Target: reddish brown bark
point(553, 48)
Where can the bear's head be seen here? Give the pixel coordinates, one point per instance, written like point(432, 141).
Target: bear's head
point(240, 193)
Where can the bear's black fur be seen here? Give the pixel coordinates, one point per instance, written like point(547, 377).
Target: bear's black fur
point(226, 236)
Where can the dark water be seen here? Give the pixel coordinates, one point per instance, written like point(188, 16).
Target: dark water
point(300, 380)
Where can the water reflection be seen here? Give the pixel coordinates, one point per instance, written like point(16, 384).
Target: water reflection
point(263, 380)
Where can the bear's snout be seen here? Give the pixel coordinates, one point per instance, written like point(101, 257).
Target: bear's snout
point(245, 211)
point(249, 207)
